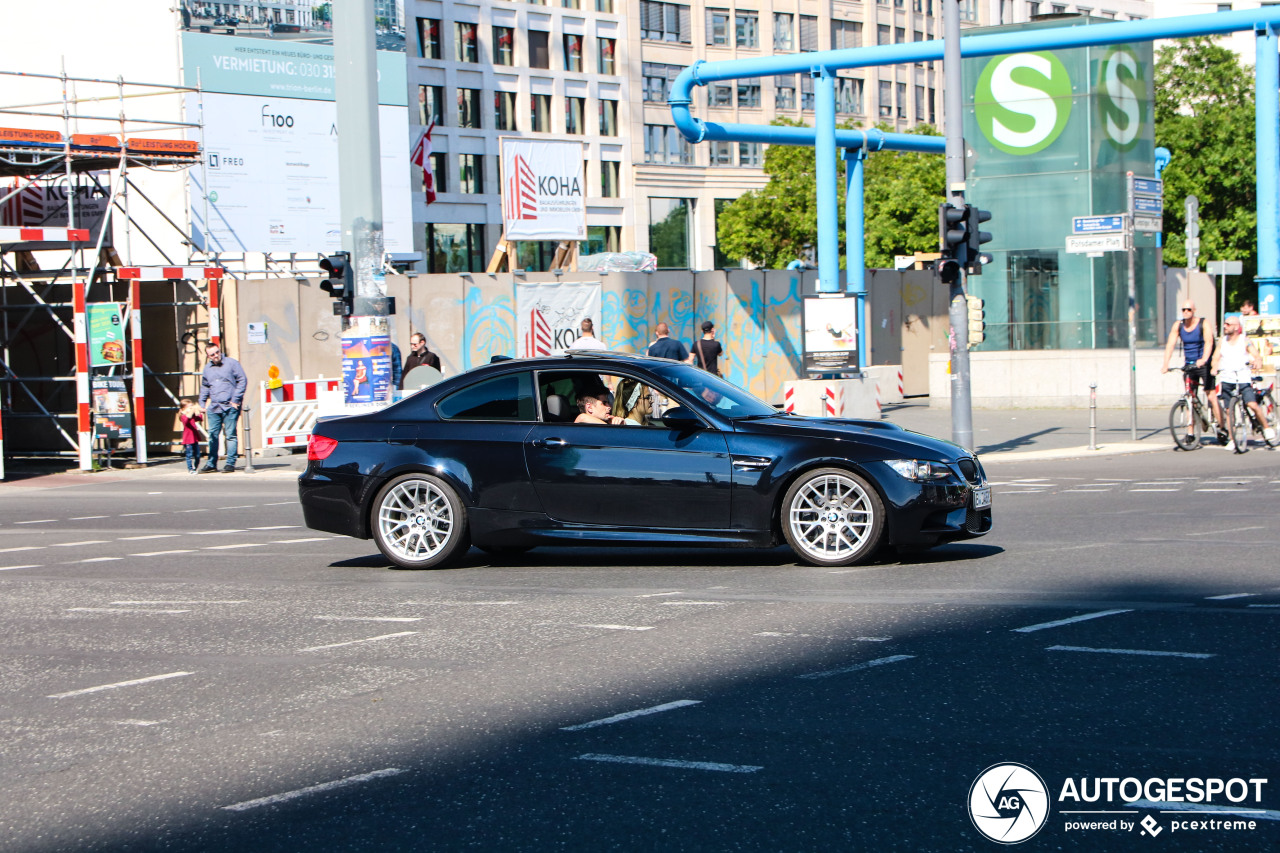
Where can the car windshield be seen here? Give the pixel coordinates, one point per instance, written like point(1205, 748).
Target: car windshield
point(728, 400)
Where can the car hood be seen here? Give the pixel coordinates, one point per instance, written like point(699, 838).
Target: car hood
point(886, 435)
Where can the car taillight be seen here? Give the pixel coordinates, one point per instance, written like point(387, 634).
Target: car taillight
point(320, 446)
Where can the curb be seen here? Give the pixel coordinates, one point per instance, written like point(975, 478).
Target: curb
point(1074, 452)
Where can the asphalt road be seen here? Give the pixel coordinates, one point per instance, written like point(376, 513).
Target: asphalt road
point(183, 666)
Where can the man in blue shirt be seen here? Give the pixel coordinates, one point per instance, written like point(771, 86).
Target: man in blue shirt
point(665, 347)
point(222, 388)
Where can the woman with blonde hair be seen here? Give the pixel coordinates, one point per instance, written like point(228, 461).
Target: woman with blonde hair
point(632, 403)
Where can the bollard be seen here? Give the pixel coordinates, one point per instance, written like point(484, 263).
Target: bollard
point(1093, 415)
point(248, 439)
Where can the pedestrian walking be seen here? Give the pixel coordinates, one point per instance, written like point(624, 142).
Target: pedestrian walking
point(588, 339)
point(190, 416)
point(222, 388)
point(667, 347)
point(708, 351)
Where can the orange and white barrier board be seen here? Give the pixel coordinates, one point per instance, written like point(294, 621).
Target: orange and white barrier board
point(83, 425)
point(288, 413)
point(53, 235)
point(139, 392)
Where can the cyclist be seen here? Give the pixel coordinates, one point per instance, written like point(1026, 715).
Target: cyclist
point(1197, 337)
point(1234, 361)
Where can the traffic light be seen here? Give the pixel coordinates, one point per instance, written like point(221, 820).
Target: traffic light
point(953, 232)
point(977, 320)
point(976, 237)
point(948, 270)
point(339, 282)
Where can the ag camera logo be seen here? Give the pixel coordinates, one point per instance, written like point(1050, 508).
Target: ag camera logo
point(1008, 803)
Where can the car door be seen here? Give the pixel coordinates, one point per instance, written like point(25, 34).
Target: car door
point(631, 476)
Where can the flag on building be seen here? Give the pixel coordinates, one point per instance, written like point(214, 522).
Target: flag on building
point(422, 157)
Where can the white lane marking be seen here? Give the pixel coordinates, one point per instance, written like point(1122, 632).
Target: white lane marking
point(620, 627)
point(11, 568)
point(298, 541)
point(1072, 491)
point(155, 493)
point(281, 503)
point(239, 601)
point(215, 532)
point(84, 517)
point(119, 610)
point(239, 506)
point(794, 634)
point(99, 559)
point(130, 683)
point(163, 553)
point(1251, 605)
point(687, 603)
point(1194, 808)
point(314, 789)
point(74, 544)
point(630, 715)
point(1155, 490)
point(1222, 490)
point(137, 722)
point(21, 548)
point(1230, 596)
point(1081, 618)
point(1232, 530)
point(38, 521)
point(148, 536)
point(657, 594)
point(1146, 652)
point(1158, 483)
point(129, 514)
point(191, 510)
point(277, 527)
point(356, 642)
point(370, 618)
point(857, 666)
point(670, 762)
point(236, 545)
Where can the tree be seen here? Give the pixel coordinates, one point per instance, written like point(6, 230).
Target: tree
point(779, 223)
point(1204, 115)
point(323, 12)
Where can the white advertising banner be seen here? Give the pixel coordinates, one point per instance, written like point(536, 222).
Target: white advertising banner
point(542, 190)
point(549, 316)
point(272, 167)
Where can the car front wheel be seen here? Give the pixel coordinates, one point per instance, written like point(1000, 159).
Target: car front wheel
point(419, 522)
point(832, 517)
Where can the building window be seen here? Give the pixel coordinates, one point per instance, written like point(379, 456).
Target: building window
point(808, 33)
point(575, 115)
point(747, 28)
point(665, 22)
point(455, 248)
point(607, 49)
point(720, 95)
point(899, 35)
point(1033, 9)
point(919, 103)
point(749, 92)
point(806, 92)
point(721, 153)
point(430, 105)
point(603, 238)
point(604, 6)
point(504, 44)
point(886, 99)
point(610, 178)
point(471, 173)
point(718, 27)
point(608, 117)
point(571, 4)
point(882, 33)
point(572, 52)
point(846, 34)
point(539, 49)
point(540, 113)
point(933, 116)
point(749, 154)
point(721, 260)
point(849, 95)
point(783, 36)
point(670, 221)
point(464, 43)
point(504, 110)
point(429, 38)
point(440, 171)
point(657, 81)
point(784, 92)
point(469, 108)
point(902, 100)
point(665, 144)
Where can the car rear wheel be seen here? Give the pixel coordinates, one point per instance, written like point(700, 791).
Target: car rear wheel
point(832, 517)
point(419, 522)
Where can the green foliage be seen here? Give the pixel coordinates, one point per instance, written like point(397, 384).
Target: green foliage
point(323, 12)
point(777, 224)
point(1204, 109)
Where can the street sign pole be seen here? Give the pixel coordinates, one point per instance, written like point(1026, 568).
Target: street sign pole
point(953, 115)
point(1133, 323)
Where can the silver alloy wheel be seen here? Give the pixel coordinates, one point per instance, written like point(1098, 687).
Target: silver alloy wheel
point(831, 517)
point(415, 520)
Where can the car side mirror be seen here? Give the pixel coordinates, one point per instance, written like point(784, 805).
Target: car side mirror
point(680, 418)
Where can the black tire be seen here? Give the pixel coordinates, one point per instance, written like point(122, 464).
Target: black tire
point(1239, 425)
point(1270, 418)
point(1184, 426)
point(419, 522)
point(832, 517)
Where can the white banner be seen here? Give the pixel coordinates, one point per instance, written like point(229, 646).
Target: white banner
point(549, 316)
point(543, 195)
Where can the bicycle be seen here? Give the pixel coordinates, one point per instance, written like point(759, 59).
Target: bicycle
point(1190, 416)
point(1244, 421)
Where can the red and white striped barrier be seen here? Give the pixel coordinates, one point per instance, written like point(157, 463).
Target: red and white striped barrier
point(139, 393)
point(789, 400)
point(168, 273)
point(52, 235)
point(900, 385)
point(879, 405)
point(289, 412)
point(833, 402)
point(83, 426)
point(215, 317)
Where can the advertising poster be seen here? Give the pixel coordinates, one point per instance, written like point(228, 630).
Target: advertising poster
point(830, 334)
point(366, 360)
point(44, 205)
point(542, 191)
point(549, 316)
point(106, 333)
point(1264, 333)
point(112, 417)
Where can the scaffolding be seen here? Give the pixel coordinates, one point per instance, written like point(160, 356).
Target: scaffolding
point(69, 167)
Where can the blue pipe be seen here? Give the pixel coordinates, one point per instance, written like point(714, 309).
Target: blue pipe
point(855, 246)
point(1266, 120)
point(824, 85)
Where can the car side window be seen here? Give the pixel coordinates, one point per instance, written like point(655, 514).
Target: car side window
point(503, 398)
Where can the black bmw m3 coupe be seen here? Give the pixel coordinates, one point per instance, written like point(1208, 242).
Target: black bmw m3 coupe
point(610, 448)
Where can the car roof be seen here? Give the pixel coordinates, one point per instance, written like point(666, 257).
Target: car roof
point(576, 358)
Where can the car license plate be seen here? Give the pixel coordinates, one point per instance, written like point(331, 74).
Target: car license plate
point(982, 497)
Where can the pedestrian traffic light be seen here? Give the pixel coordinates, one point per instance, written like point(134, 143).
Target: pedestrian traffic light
point(953, 231)
point(948, 270)
point(976, 237)
point(339, 282)
point(977, 320)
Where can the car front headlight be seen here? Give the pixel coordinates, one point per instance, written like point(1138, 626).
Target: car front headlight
point(919, 470)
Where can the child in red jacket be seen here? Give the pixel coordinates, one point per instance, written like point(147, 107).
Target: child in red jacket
point(190, 415)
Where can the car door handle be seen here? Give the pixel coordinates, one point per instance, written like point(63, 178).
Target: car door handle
point(549, 442)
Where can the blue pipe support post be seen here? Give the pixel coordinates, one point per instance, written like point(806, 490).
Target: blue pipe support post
point(1267, 129)
point(855, 238)
point(824, 85)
